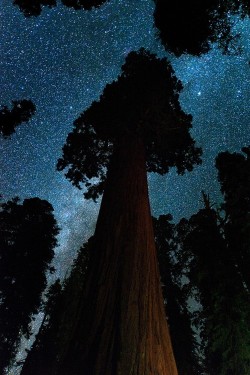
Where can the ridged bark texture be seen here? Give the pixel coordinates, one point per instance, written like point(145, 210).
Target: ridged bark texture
point(122, 327)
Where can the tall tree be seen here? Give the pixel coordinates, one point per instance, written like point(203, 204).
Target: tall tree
point(137, 125)
point(60, 313)
point(188, 26)
point(34, 7)
point(225, 315)
point(234, 178)
point(28, 236)
point(21, 111)
point(185, 344)
point(41, 357)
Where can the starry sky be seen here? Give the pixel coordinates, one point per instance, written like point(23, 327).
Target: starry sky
point(62, 60)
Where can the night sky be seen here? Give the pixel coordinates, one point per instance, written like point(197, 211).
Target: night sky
point(62, 60)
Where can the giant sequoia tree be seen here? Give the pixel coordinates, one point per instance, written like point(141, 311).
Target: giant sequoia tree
point(27, 236)
point(135, 127)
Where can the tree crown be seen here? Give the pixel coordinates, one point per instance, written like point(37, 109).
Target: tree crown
point(188, 26)
point(34, 7)
point(142, 102)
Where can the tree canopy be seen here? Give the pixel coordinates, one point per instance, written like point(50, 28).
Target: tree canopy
point(28, 236)
point(188, 26)
point(34, 7)
point(21, 111)
point(142, 102)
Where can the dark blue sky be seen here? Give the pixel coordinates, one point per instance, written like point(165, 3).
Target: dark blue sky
point(62, 61)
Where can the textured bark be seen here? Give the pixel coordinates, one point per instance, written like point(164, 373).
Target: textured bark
point(121, 327)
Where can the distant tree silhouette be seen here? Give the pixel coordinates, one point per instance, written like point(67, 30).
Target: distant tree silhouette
point(185, 345)
point(137, 125)
point(21, 111)
point(234, 178)
point(188, 26)
point(27, 236)
point(83, 4)
point(34, 7)
point(42, 356)
point(61, 310)
point(225, 315)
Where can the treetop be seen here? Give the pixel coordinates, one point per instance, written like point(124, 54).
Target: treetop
point(142, 102)
point(34, 7)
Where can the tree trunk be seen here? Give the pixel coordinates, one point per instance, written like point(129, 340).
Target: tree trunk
point(121, 327)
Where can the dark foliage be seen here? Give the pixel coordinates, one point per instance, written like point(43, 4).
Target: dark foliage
point(41, 357)
point(34, 7)
point(142, 102)
point(179, 318)
point(28, 236)
point(188, 26)
point(83, 4)
point(21, 111)
point(225, 315)
point(212, 249)
point(60, 310)
point(234, 178)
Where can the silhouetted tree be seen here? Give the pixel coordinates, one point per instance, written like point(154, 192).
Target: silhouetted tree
point(137, 125)
point(21, 111)
point(34, 7)
point(61, 310)
point(185, 345)
point(234, 178)
point(42, 356)
point(27, 236)
point(83, 4)
point(225, 315)
point(188, 26)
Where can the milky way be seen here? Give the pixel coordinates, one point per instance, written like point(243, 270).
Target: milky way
point(62, 60)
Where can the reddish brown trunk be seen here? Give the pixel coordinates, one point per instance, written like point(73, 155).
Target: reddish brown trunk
point(125, 332)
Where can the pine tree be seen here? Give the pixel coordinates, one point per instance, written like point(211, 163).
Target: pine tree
point(224, 318)
point(60, 314)
point(234, 178)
